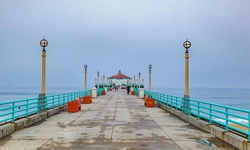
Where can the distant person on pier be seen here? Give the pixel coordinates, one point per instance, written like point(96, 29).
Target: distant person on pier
point(115, 88)
point(128, 89)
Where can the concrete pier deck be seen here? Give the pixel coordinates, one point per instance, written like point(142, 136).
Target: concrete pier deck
point(116, 121)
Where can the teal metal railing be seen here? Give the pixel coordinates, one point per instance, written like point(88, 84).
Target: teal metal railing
point(228, 117)
point(99, 91)
point(136, 89)
point(12, 110)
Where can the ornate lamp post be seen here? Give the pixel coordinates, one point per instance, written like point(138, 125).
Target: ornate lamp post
point(85, 77)
point(98, 73)
point(42, 106)
point(139, 80)
point(149, 78)
point(43, 43)
point(186, 45)
point(134, 82)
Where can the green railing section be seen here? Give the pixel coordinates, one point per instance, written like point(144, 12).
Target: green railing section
point(228, 117)
point(12, 110)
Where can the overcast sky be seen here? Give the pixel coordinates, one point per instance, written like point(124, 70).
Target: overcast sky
point(126, 35)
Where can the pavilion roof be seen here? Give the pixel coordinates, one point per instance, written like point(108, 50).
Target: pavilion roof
point(119, 76)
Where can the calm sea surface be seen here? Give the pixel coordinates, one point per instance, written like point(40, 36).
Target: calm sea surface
point(234, 97)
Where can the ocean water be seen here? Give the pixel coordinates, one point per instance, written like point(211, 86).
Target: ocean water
point(17, 93)
point(233, 97)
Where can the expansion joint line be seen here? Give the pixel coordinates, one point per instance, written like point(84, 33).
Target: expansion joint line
point(114, 121)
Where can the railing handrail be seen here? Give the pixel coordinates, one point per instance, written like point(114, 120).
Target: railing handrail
point(213, 113)
point(28, 106)
point(219, 105)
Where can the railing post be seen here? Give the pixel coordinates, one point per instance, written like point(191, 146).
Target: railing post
point(226, 119)
point(182, 105)
point(41, 102)
point(27, 108)
point(210, 114)
point(176, 103)
point(38, 106)
point(46, 104)
point(167, 99)
point(189, 108)
point(171, 98)
point(58, 100)
point(53, 102)
point(13, 112)
point(185, 104)
point(198, 110)
point(161, 99)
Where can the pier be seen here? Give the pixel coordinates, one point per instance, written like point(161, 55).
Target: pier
point(112, 122)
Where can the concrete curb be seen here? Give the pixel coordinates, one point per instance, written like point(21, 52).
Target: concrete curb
point(26, 122)
point(229, 137)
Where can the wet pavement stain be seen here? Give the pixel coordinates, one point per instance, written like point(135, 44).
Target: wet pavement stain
point(139, 134)
point(61, 124)
point(115, 123)
point(215, 142)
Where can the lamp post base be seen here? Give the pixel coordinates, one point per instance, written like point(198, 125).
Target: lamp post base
point(186, 105)
point(41, 102)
